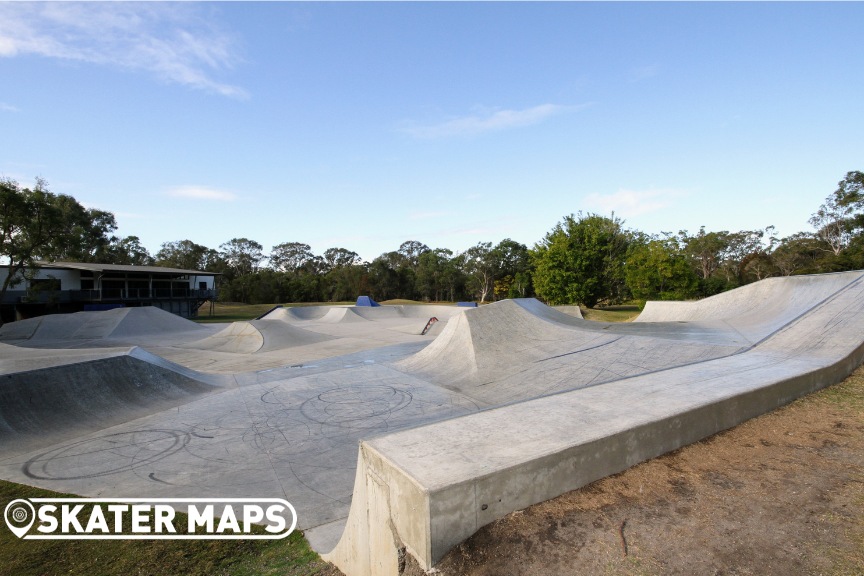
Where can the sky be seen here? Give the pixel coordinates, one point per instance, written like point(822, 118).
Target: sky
point(364, 125)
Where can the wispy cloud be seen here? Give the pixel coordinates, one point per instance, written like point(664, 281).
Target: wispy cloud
point(486, 121)
point(477, 230)
point(7, 107)
point(629, 203)
point(172, 41)
point(202, 193)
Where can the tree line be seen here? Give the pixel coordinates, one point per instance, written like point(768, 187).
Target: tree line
point(585, 259)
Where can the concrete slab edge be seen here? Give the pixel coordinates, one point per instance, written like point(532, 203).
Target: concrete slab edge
point(392, 514)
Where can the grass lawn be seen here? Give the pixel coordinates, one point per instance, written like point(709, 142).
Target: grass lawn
point(235, 311)
point(290, 556)
point(611, 313)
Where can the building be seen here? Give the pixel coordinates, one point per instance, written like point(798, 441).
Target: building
point(59, 287)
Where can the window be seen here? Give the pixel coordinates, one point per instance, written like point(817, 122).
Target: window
point(45, 284)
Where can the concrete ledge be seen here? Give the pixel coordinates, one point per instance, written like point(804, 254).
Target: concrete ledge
point(426, 489)
point(393, 511)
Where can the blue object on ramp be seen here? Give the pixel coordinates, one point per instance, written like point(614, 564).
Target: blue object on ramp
point(467, 304)
point(366, 301)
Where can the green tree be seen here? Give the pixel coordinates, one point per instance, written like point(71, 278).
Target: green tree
point(243, 256)
point(839, 218)
point(411, 250)
point(724, 260)
point(384, 282)
point(340, 257)
point(290, 256)
point(82, 234)
point(706, 250)
point(479, 266)
point(433, 267)
point(659, 270)
point(241, 260)
point(187, 255)
point(753, 248)
point(37, 224)
point(128, 251)
point(800, 253)
point(347, 282)
point(582, 261)
point(345, 276)
point(308, 284)
point(512, 269)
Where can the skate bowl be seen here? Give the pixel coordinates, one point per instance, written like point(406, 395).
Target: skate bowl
point(258, 336)
point(498, 407)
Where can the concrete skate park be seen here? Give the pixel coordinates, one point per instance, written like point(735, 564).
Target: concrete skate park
point(492, 409)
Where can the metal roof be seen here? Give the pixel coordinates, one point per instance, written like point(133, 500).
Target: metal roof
point(122, 268)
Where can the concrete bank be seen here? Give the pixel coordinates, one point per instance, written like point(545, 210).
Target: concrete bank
point(426, 489)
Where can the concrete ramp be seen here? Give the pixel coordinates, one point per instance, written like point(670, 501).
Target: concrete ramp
point(15, 359)
point(149, 320)
point(297, 313)
point(237, 338)
point(21, 330)
point(117, 323)
point(519, 349)
point(426, 489)
point(513, 403)
point(40, 406)
point(571, 310)
point(258, 336)
point(316, 314)
point(378, 313)
point(341, 315)
point(280, 335)
point(421, 311)
point(755, 310)
point(367, 322)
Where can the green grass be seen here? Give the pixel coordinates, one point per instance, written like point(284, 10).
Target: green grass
point(404, 302)
point(290, 556)
point(848, 395)
point(235, 311)
point(611, 313)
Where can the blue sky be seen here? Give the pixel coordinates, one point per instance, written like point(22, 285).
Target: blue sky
point(362, 125)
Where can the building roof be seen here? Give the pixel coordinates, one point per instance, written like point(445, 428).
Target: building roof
point(122, 268)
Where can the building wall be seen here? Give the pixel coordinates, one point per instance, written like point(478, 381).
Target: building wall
point(69, 279)
point(79, 289)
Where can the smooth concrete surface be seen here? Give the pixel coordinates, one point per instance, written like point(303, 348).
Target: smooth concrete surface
point(498, 407)
point(426, 489)
point(275, 406)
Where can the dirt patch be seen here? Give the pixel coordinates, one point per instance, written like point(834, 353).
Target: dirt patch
point(778, 495)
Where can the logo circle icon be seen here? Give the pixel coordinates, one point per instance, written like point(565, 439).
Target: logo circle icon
point(19, 515)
